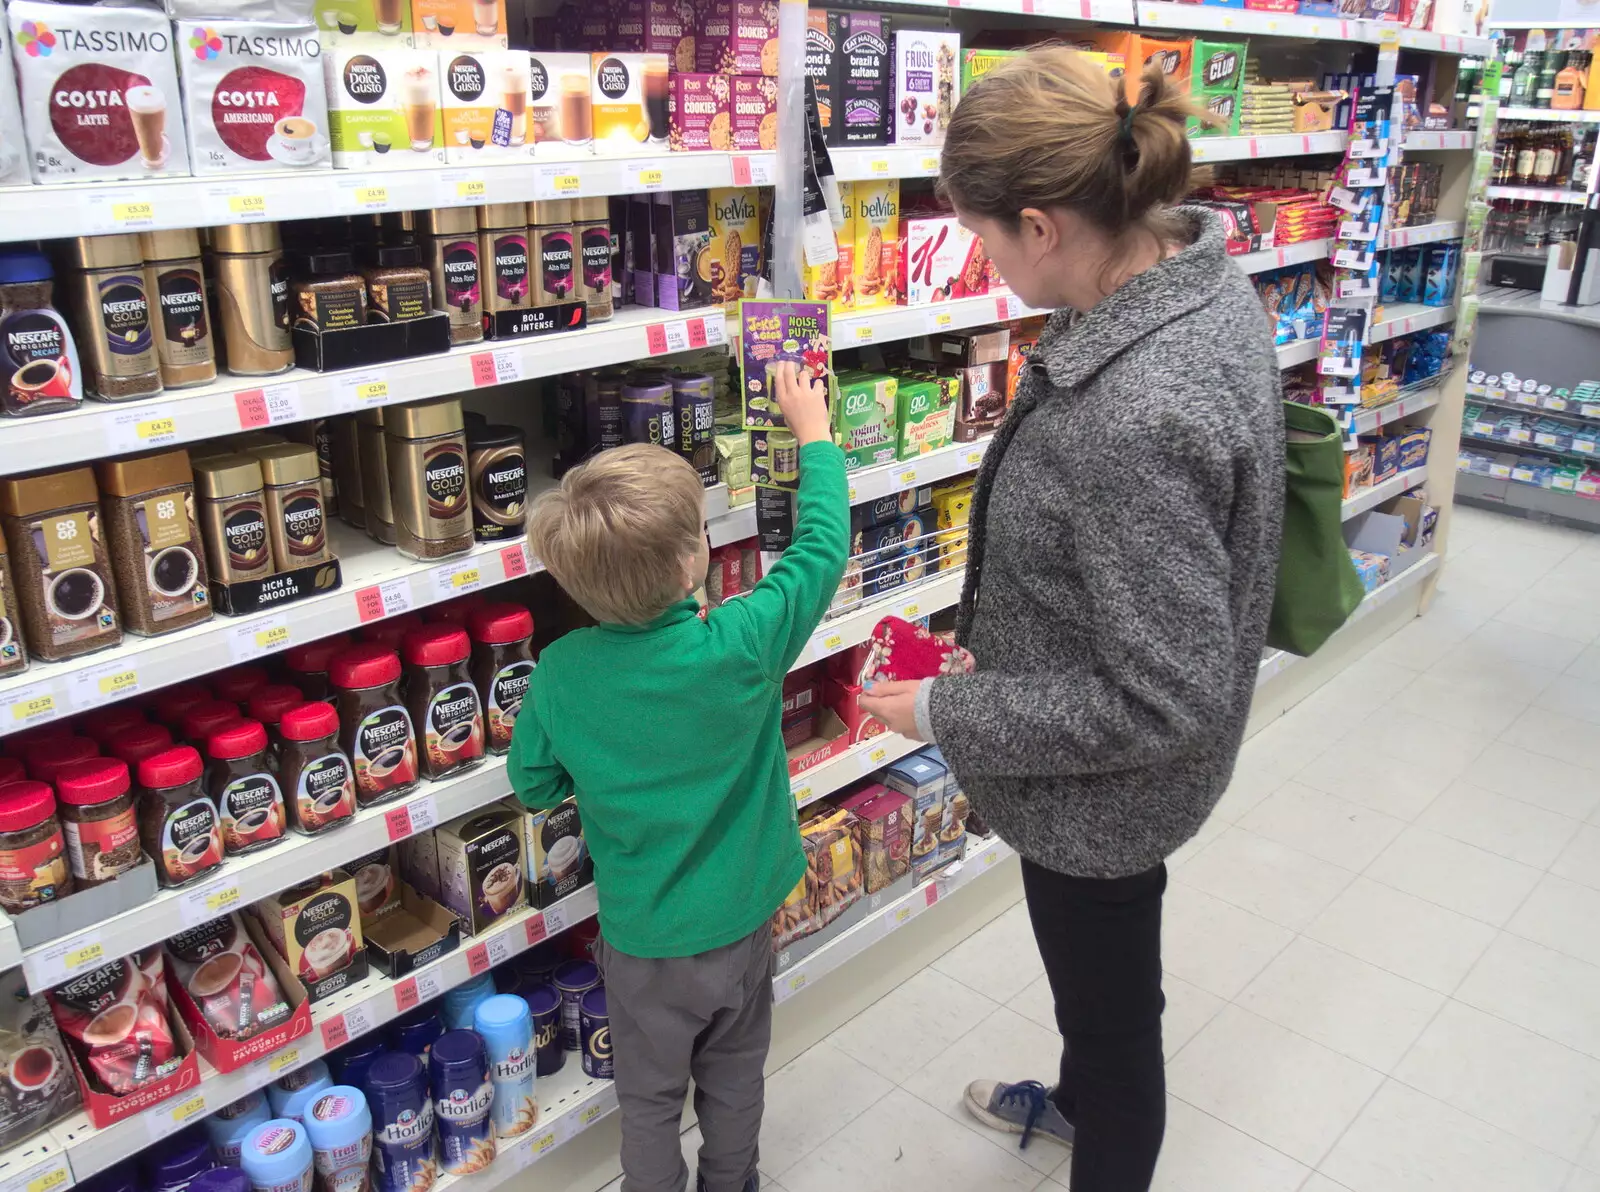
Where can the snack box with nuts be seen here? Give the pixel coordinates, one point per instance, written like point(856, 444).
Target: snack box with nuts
point(922, 781)
point(977, 63)
point(862, 84)
point(885, 832)
point(822, 30)
point(927, 84)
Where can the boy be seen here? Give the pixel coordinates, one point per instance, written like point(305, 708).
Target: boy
point(667, 729)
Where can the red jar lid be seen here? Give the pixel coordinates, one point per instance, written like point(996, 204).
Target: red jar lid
point(46, 759)
point(313, 658)
point(11, 770)
point(25, 805)
point(500, 624)
point(240, 683)
point(392, 632)
point(204, 719)
point(240, 738)
point(98, 780)
point(108, 722)
point(458, 611)
point(18, 744)
point(309, 722)
point(170, 767)
point(366, 665)
point(273, 701)
point(135, 744)
point(437, 645)
point(173, 703)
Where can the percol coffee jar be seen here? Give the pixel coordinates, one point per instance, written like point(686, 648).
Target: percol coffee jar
point(233, 517)
point(428, 479)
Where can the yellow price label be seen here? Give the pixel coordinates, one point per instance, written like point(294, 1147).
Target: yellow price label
point(369, 196)
point(462, 578)
point(901, 915)
point(283, 1059)
point(879, 167)
point(373, 391)
point(833, 641)
point(85, 957)
point(864, 333)
point(133, 212)
point(247, 204)
point(1272, 26)
point(155, 427)
point(797, 983)
point(912, 610)
point(193, 1107)
point(650, 177)
point(930, 165)
point(55, 1178)
point(566, 184)
point(943, 319)
point(974, 458)
point(909, 476)
point(472, 188)
point(590, 1113)
point(802, 795)
point(272, 638)
point(544, 1142)
point(223, 900)
point(852, 494)
point(990, 857)
point(878, 755)
point(29, 709)
point(119, 682)
point(1388, 38)
point(1227, 22)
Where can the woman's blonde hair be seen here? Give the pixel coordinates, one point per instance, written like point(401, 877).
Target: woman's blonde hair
point(1051, 129)
point(617, 529)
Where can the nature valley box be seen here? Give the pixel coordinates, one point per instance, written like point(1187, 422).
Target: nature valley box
point(877, 244)
point(735, 254)
point(977, 63)
point(383, 108)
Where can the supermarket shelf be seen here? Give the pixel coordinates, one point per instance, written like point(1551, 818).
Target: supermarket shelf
point(37, 1164)
point(1216, 19)
point(940, 590)
point(850, 766)
point(888, 323)
point(145, 204)
point(1377, 494)
point(98, 429)
point(1424, 140)
point(1402, 318)
point(1298, 352)
point(1316, 250)
point(1294, 144)
point(1527, 498)
point(885, 918)
point(1537, 194)
point(378, 582)
point(349, 1014)
point(1581, 116)
point(1404, 406)
point(1503, 300)
point(1278, 661)
point(1571, 409)
point(1448, 229)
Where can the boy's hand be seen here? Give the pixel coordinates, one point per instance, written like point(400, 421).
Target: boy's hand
point(804, 403)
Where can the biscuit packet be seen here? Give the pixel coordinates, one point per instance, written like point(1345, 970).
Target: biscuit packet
point(876, 244)
point(735, 250)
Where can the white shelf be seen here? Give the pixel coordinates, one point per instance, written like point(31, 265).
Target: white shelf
point(1284, 144)
point(1375, 495)
point(1298, 352)
point(1581, 116)
point(47, 691)
point(852, 765)
point(1423, 140)
point(1216, 19)
point(1450, 229)
point(940, 590)
point(1402, 318)
point(1538, 194)
point(1407, 404)
point(1316, 250)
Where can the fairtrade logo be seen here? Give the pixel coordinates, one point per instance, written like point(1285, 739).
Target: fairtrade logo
point(205, 43)
point(36, 38)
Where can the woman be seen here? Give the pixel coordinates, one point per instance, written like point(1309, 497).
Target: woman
point(1124, 541)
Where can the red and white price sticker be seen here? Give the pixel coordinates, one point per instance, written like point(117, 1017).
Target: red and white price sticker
point(498, 367)
point(334, 1033)
point(398, 822)
point(1008, 306)
point(499, 948)
point(424, 813)
point(930, 893)
point(358, 1020)
point(677, 333)
point(478, 959)
point(406, 995)
point(697, 333)
point(268, 407)
point(741, 170)
point(514, 560)
point(388, 599)
point(534, 929)
point(655, 338)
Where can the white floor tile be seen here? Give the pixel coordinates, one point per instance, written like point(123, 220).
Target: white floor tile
point(1332, 998)
point(1202, 1154)
point(1403, 934)
point(1266, 878)
point(1278, 1087)
point(1554, 734)
point(1477, 704)
point(1004, 1046)
point(1587, 664)
point(1591, 1155)
point(1213, 944)
point(1406, 1141)
point(1189, 1008)
point(1327, 827)
point(1541, 989)
point(1321, 1183)
point(1458, 876)
point(1535, 611)
point(1209, 831)
point(1425, 641)
point(1562, 915)
point(1000, 961)
point(1037, 1004)
point(1531, 777)
point(1446, 748)
point(910, 1025)
point(1392, 785)
point(1496, 641)
point(1504, 826)
point(811, 1098)
point(1580, 862)
point(1510, 562)
point(1582, 1181)
point(1247, 790)
point(1541, 1091)
point(1521, 681)
point(1576, 695)
point(902, 1143)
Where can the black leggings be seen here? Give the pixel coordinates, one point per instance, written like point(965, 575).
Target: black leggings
point(1101, 944)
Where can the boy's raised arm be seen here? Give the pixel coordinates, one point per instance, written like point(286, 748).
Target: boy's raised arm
point(539, 780)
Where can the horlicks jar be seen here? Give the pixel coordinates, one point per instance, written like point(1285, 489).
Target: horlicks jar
point(403, 1151)
point(458, 1072)
point(507, 1031)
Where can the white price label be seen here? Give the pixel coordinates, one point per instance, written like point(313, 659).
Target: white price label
point(507, 365)
point(33, 705)
point(677, 335)
point(716, 326)
point(104, 683)
point(458, 579)
point(396, 595)
point(283, 403)
point(940, 320)
point(358, 1020)
point(166, 1120)
point(121, 211)
point(1589, 411)
point(49, 1176)
point(68, 958)
point(1583, 445)
point(210, 901)
point(143, 428)
point(555, 919)
point(363, 196)
point(871, 759)
point(280, 1061)
point(646, 174)
point(498, 947)
point(430, 983)
point(762, 169)
point(863, 333)
point(363, 390)
point(424, 814)
point(267, 635)
point(557, 182)
point(238, 204)
point(460, 186)
point(975, 457)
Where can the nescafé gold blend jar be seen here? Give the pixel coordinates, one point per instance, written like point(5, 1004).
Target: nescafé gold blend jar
point(428, 479)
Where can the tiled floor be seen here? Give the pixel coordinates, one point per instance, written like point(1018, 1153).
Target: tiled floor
point(1382, 953)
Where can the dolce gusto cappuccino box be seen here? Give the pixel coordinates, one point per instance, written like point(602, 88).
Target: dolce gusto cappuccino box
point(481, 866)
point(630, 102)
point(459, 24)
point(552, 842)
point(485, 94)
point(99, 91)
point(560, 103)
point(253, 96)
point(383, 108)
point(374, 24)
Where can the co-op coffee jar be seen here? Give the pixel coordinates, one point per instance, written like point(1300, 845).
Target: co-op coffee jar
point(428, 479)
point(156, 555)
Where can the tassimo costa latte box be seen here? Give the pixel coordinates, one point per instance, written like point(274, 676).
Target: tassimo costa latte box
point(99, 88)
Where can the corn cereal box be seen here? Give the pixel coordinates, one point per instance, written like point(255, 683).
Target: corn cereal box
point(835, 281)
point(735, 252)
point(877, 244)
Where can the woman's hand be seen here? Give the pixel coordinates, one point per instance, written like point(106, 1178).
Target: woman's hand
point(895, 703)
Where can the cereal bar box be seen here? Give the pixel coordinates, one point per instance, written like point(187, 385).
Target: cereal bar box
point(700, 112)
point(927, 84)
point(735, 252)
point(876, 265)
point(772, 330)
point(835, 281)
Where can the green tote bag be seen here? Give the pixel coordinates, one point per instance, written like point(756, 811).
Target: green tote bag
point(1318, 587)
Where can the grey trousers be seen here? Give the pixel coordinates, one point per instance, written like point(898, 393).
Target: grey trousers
point(707, 1016)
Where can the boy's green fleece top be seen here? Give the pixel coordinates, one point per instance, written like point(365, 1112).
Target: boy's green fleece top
point(669, 735)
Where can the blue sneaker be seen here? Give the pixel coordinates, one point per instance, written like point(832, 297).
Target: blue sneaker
point(1023, 1108)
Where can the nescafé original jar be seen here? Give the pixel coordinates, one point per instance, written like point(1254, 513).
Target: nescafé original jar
point(375, 727)
point(502, 664)
point(177, 822)
point(443, 701)
point(314, 770)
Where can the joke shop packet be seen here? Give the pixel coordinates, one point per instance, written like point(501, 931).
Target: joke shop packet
point(775, 330)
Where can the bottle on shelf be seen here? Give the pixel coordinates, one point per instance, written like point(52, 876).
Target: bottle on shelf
point(1508, 75)
point(1525, 80)
point(1568, 95)
point(1527, 152)
point(1544, 158)
point(1545, 89)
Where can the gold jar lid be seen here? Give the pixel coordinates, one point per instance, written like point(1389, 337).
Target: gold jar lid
point(593, 209)
point(105, 252)
point(370, 418)
point(288, 463)
point(503, 215)
point(176, 245)
point(449, 221)
point(135, 474)
point(22, 495)
point(220, 476)
point(551, 211)
point(424, 419)
point(255, 237)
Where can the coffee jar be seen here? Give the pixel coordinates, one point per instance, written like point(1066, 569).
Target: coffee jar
point(450, 245)
point(98, 819)
point(375, 726)
point(376, 494)
point(39, 370)
point(399, 287)
point(346, 449)
point(249, 802)
point(443, 700)
point(113, 317)
point(497, 465)
point(551, 245)
point(314, 771)
point(591, 234)
point(502, 665)
point(297, 524)
point(252, 308)
point(307, 666)
point(13, 651)
point(177, 821)
point(160, 566)
point(180, 314)
point(33, 854)
point(65, 591)
point(428, 479)
point(319, 435)
point(233, 514)
point(328, 294)
point(506, 266)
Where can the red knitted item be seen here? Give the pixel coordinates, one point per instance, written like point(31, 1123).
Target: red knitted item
point(902, 650)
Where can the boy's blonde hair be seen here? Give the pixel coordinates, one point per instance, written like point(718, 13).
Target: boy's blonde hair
point(617, 530)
